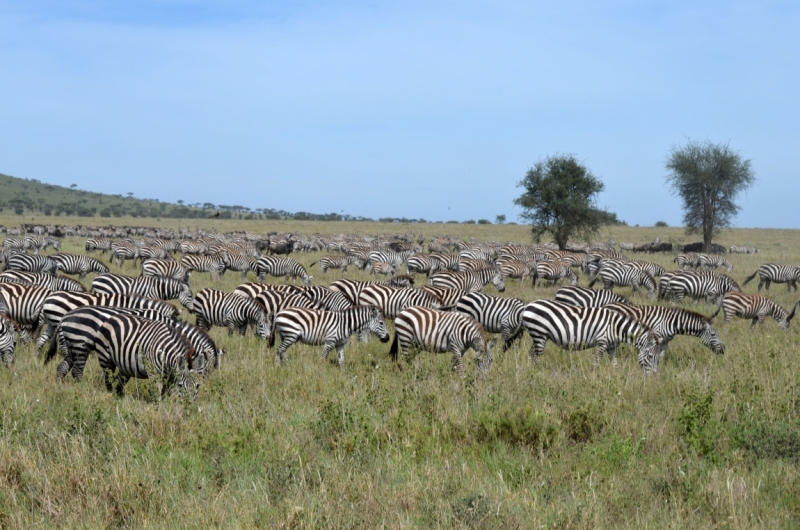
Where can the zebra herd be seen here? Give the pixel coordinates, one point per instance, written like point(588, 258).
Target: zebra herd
point(132, 325)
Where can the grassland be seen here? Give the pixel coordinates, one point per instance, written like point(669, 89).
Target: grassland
point(710, 441)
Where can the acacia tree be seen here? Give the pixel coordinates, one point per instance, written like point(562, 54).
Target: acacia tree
point(708, 177)
point(560, 198)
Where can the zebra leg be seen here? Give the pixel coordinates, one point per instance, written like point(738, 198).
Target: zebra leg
point(612, 352)
point(121, 381)
point(458, 361)
point(537, 349)
point(326, 350)
point(77, 360)
point(280, 354)
point(766, 286)
point(48, 332)
point(753, 324)
point(598, 353)
point(340, 354)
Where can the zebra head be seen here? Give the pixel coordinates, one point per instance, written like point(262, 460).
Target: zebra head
point(784, 322)
point(188, 384)
point(185, 298)
point(648, 345)
point(726, 264)
point(377, 325)
point(264, 325)
point(497, 280)
point(8, 340)
point(711, 340)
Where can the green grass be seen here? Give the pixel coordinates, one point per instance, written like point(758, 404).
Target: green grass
point(710, 441)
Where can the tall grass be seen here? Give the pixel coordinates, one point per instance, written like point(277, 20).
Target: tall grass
point(710, 441)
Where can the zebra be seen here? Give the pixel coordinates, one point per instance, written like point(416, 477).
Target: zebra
point(352, 288)
point(103, 244)
point(395, 259)
point(392, 300)
point(165, 269)
point(575, 327)
point(554, 271)
point(653, 269)
point(37, 243)
point(238, 261)
point(54, 283)
point(31, 263)
point(585, 297)
point(327, 299)
point(78, 264)
point(626, 276)
point(478, 253)
point(380, 267)
point(5, 253)
point(447, 297)
point(772, 272)
point(338, 262)
point(474, 264)
point(193, 247)
point(517, 269)
point(15, 243)
point(626, 246)
point(689, 260)
point(755, 307)
point(663, 285)
point(23, 303)
point(708, 284)
point(469, 281)
point(666, 322)
point(276, 266)
point(127, 342)
point(495, 314)
point(738, 249)
point(8, 339)
point(218, 308)
point(445, 262)
point(144, 286)
point(251, 289)
point(441, 331)
point(59, 304)
point(122, 250)
point(713, 261)
point(330, 328)
point(422, 263)
point(214, 264)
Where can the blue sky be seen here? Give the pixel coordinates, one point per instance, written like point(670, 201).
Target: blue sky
point(402, 109)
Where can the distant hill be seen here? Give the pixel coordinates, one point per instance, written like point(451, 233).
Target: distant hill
point(21, 195)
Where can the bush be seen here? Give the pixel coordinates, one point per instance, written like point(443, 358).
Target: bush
point(698, 427)
point(484, 222)
point(661, 224)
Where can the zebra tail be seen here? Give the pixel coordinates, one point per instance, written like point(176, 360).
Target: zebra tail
point(719, 308)
point(393, 351)
point(750, 278)
point(51, 351)
point(794, 309)
point(271, 339)
point(313, 264)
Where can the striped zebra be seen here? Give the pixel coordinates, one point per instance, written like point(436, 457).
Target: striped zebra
point(218, 308)
point(5, 253)
point(628, 277)
point(194, 247)
point(447, 297)
point(379, 267)
point(469, 281)
point(126, 343)
point(738, 249)
point(338, 262)
point(395, 259)
point(653, 269)
point(78, 264)
point(478, 253)
point(772, 272)
point(666, 322)
point(214, 264)
point(23, 303)
point(123, 250)
point(701, 284)
point(626, 246)
point(352, 288)
point(165, 269)
point(59, 304)
point(251, 289)
point(574, 327)
point(441, 331)
point(276, 266)
point(495, 314)
point(144, 286)
point(103, 244)
point(392, 300)
point(474, 264)
point(332, 329)
point(8, 339)
point(663, 285)
point(14, 243)
point(585, 297)
point(422, 263)
point(713, 261)
point(326, 299)
point(517, 269)
point(755, 307)
point(37, 243)
point(689, 260)
point(240, 262)
point(554, 271)
point(54, 283)
point(31, 263)
point(445, 262)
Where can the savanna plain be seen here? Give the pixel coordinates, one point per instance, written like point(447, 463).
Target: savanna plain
point(709, 441)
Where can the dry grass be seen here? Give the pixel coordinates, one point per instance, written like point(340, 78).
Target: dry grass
point(708, 442)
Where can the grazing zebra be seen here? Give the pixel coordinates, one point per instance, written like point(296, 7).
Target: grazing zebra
point(515, 268)
point(54, 283)
point(575, 327)
point(144, 286)
point(31, 263)
point(103, 244)
point(15, 243)
point(447, 297)
point(126, 343)
point(689, 260)
point(737, 249)
point(218, 308)
point(392, 300)
point(165, 269)
point(338, 262)
point(214, 264)
point(713, 261)
point(251, 289)
point(626, 246)
point(37, 243)
point(193, 247)
point(441, 331)
point(772, 272)
point(8, 339)
point(276, 266)
point(474, 264)
point(352, 288)
point(755, 307)
point(445, 262)
point(553, 271)
point(379, 267)
point(329, 328)
point(666, 322)
point(701, 284)
point(59, 304)
point(626, 276)
point(78, 264)
point(326, 299)
point(239, 262)
point(585, 297)
point(653, 269)
point(495, 314)
point(122, 250)
point(422, 263)
point(23, 303)
point(663, 285)
point(469, 281)
point(395, 259)
point(478, 253)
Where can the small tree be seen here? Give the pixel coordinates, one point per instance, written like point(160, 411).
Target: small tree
point(500, 219)
point(560, 198)
point(708, 177)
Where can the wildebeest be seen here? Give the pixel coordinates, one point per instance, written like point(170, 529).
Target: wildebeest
point(698, 247)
